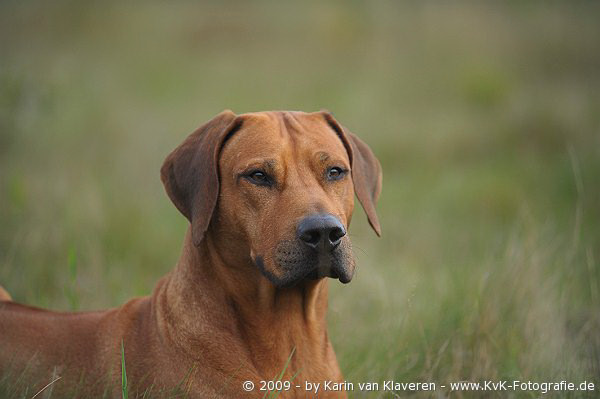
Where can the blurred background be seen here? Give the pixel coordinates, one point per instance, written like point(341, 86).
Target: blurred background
point(486, 119)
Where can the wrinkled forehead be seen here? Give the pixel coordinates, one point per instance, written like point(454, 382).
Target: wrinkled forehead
point(291, 134)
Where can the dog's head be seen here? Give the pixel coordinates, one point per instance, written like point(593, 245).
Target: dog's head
point(278, 188)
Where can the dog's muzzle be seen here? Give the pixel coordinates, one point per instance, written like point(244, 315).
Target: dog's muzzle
point(323, 234)
point(320, 249)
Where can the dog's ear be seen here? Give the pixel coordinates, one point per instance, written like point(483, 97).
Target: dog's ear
point(366, 170)
point(190, 173)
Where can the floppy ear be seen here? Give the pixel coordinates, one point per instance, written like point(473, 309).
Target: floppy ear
point(190, 173)
point(366, 170)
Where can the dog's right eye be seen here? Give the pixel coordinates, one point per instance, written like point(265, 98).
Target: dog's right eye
point(259, 178)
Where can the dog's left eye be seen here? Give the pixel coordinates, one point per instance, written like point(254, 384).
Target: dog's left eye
point(259, 177)
point(335, 173)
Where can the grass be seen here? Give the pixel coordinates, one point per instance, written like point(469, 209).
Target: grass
point(48, 385)
point(123, 373)
point(71, 287)
point(273, 394)
point(486, 119)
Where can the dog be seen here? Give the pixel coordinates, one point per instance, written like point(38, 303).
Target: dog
point(269, 197)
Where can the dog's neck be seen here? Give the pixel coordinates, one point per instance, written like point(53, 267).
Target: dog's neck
point(206, 290)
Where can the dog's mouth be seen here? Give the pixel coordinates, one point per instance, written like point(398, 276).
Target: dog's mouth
point(329, 265)
point(292, 264)
point(317, 274)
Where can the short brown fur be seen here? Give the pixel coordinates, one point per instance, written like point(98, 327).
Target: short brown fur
point(227, 312)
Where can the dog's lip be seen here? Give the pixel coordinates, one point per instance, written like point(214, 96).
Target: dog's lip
point(316, 274)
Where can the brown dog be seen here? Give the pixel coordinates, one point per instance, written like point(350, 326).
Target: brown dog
point(269, 197)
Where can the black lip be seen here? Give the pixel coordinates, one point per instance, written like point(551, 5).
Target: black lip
point(314, 275)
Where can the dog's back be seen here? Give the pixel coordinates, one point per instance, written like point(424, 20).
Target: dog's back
point(4, 295)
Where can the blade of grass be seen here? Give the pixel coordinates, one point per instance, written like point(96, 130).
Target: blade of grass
point(226, 383)
point(285, 366)
point(123, 372)
point(71, 288)
point(184, 383)
point(45, 387)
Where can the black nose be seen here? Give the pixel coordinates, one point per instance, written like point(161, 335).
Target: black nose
point(322, 232)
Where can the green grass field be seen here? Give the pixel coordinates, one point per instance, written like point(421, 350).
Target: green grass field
point(486, 120)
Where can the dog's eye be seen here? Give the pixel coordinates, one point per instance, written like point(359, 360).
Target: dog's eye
point(259, 177)
point(335, 173)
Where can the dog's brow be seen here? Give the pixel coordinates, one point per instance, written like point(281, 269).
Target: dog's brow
point(323, 156)
point(264, 163)
point(270, 163)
